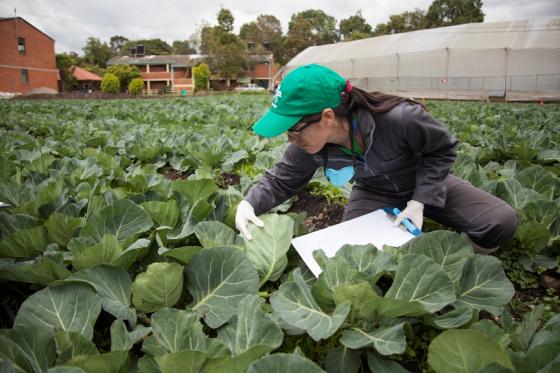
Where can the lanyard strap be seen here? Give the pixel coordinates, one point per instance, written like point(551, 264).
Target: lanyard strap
point(353, 126)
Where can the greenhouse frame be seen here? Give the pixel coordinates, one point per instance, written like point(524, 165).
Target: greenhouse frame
point(516, 61)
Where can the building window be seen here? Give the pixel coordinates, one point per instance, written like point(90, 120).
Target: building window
point(21, 45)
point(24, 76)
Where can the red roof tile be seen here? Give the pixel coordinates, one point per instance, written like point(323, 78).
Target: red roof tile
point(81, 74)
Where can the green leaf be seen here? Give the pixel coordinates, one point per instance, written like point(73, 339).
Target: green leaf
point(379, 365)
point(122, 219)
point(113, 285)
point(448, 249)
point(40, 271)
point(71, 307)
point(250, 327)
point(387, 341)
point(267, 250)
point(215, 234)
point(295, 305)
point(178, 330)
point(336, 272)
point(182, 254)
point(183, 361)
point(368, 260)
point(420, 279)
point(513, 192)
point(24, 243)
point(30, 349)
point(218, 279)
point(490, 329)
point(458, 316)
point(358, 295)
point(524, 332)
point(343, 360)
point(195, 190)
point(122, 339)
point(71, 344)
point(160, 286)
point(282, 362)
point(61, 227)
point(484, 285)
point(236, 364)
point(534, 236)
point(465, 351)
point(162, 213)
point(542, 212)
point(106, 251)
point(537, 179)
point(114, 361)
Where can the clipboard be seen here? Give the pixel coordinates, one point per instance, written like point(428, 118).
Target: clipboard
point(374, 228)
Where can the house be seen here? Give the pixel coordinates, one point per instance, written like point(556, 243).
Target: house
point(27, 60)
point(262, 72)
point(87, 81)
point(163, 73)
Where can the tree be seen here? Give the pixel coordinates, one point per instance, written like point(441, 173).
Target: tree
point(226, 52)
point(201, 74)
point(136, 86)
point(454, 12)
point(355, 27)
point(225, 20)
point(264, 36)
point(125, 73)
point(182, 47)
point(307, 28)
point(116, 43)
point(151, 46)
point(96, 52)
point(404, 22)
point(65, 63)
point(110, 83)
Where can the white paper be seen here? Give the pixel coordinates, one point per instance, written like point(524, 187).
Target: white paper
point(375, 228)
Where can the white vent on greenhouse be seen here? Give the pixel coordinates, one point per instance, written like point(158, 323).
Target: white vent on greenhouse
point(517, 60)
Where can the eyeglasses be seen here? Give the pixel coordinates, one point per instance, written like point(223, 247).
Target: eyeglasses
point(300, 126)
point(296, 130)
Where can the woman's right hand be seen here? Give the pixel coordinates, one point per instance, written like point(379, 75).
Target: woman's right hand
point(246, 213)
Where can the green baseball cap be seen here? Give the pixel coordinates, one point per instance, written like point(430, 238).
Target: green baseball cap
point(309, 89)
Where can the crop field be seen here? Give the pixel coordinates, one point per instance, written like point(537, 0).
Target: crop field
point(118, 250)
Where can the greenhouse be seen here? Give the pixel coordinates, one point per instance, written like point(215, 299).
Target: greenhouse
point(516, 60)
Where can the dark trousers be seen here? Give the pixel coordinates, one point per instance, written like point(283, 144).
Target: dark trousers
point(486, 219)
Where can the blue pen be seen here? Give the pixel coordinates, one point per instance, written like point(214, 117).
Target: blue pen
point(407, 223)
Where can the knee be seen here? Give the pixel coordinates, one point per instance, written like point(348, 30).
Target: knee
point(500, 228)
point(507, 222)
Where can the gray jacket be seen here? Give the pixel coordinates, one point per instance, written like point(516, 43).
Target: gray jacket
point(407, 155)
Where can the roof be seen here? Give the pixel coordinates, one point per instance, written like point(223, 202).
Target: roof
point(173, 59)
point(2, 19)
point(81, 74)
point(541, 33)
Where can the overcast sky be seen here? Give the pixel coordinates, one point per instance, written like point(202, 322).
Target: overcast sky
point(71, 22)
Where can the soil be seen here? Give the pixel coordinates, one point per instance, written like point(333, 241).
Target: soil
point(171, 174)
point(320, 214)
point(228, 179)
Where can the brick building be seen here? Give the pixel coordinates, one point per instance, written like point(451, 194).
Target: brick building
point(173, 73)
point(27, 59)
point(164, 73)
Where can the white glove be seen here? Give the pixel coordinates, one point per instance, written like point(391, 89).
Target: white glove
point(245, 214)
point(414, 212)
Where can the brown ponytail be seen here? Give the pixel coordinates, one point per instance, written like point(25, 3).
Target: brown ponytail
point(375, 102)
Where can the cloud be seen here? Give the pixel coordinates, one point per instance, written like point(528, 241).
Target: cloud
point(71, 22)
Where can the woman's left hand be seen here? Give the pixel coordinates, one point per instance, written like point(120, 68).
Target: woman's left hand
point(414, 212)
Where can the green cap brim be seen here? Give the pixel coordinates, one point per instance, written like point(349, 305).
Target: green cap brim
point(272, 124)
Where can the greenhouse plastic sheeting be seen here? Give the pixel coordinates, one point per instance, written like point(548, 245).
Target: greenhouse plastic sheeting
point(519, 60)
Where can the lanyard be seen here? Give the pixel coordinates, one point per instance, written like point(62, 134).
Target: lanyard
point(353, 127)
